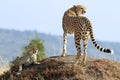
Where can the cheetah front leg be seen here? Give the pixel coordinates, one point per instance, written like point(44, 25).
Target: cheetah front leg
point(34, 59)
point(85, 50)
point(64, 44)
point(20, 69)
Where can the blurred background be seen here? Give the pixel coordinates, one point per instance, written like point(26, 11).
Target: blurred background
point(23, 20)
point(46, 16)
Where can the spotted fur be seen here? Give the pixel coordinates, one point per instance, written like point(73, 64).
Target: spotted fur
point(81, 27)
point(76, 10)
point(29, 58)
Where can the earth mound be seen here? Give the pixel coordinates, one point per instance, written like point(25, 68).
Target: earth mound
point(63, 68)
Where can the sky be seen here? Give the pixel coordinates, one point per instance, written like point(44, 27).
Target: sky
point(45, 16)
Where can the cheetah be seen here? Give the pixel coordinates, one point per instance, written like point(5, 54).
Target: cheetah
point(81, 27)
point(29, 58)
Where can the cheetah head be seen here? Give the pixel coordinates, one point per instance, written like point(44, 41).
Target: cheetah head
point(79, 9)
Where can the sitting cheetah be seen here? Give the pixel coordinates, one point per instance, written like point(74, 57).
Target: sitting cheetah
point(81, 27)
point(29, 58)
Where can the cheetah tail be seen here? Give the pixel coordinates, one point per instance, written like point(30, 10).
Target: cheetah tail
point(99, 47)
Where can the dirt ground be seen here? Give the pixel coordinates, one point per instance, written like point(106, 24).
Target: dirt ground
point(63, 68)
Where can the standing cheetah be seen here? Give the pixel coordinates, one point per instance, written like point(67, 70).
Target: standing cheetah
point(81, 27)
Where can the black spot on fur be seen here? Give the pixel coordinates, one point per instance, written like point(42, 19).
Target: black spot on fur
point(108, 50)
point(94, 42)
point(98, 47)
point(93, 39)
point(95, 45)
point(101, 49)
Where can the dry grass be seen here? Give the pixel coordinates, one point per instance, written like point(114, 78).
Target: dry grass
point(62, 68)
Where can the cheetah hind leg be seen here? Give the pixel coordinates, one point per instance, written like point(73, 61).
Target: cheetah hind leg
point(78, 58)
point(64, 44)
point(79, 52)
point(85, 51)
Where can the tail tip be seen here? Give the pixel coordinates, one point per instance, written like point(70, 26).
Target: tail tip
point(112, 52)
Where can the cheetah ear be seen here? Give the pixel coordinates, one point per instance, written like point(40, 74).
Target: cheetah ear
point(74, 6)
